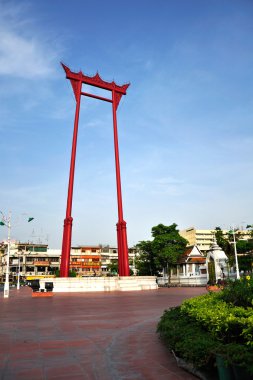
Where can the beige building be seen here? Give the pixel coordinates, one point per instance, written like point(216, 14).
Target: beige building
point(203, 239)
point(29, 260)
point(109, 255)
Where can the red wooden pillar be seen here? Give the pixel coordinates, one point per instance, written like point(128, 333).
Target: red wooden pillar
point(67, 229)
point(121, 225)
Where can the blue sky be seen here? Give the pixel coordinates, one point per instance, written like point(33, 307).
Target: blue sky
point(185, 125)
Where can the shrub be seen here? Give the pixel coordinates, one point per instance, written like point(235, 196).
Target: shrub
point(237, 354)
point(239, 292)
point(208, 325)
point(225, 322)
point(187, 338)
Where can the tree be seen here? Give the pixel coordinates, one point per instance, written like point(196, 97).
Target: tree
point(71, 273)
point(168, 245)
point(244, 246)
point(162, 252)
point(221, 241)
point(145, 262)
point(113, 267)
point(250, 230)
point(225, 244)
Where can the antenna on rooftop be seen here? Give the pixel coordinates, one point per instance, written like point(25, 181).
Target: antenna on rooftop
point(40, 237)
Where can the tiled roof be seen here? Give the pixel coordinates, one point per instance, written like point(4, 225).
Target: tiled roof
point(196, 260)
point(186, 258)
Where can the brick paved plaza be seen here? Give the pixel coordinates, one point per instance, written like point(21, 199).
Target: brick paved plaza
point(78, 336)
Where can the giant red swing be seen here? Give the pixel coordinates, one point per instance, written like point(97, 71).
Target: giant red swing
point(77, 80)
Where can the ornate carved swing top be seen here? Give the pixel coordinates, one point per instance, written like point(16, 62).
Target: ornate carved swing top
point(96, 81)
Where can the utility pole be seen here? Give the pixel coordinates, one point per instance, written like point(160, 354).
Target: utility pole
point(236, 259)
point(6, 221)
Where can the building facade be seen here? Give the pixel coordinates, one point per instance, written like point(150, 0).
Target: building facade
point(38, 261)
point(109, 259)
point(29, 260)
point(86, 260)
point(203, 239)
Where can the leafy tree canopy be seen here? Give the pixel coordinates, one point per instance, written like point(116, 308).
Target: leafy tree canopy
point(145, 262)
point(226, 243)
point(113, 267)
point(244, 246)
point(167, 245)
point(163, 251)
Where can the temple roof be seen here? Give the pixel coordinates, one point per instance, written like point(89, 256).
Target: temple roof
point(192, 255)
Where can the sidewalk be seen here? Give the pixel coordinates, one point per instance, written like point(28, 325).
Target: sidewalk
point(87, 336)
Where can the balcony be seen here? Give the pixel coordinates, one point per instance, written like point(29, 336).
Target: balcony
point(41, 263)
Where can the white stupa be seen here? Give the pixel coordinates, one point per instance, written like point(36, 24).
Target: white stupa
point(220, 260)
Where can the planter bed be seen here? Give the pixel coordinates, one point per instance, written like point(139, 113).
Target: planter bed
point(211, 335)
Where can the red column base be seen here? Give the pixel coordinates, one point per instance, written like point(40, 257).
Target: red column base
point(122, 249)
point(66, 246)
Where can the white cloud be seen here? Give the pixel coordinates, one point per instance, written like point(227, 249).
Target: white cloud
point(22, 57)
point(23, 53)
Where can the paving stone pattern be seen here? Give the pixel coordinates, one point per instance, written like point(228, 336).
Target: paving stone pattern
point(87, 336)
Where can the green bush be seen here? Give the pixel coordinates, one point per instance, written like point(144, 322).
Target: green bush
point(227, 323)
point(239, 292)
point(187, 338)
point(214, 323)
point(237, 354)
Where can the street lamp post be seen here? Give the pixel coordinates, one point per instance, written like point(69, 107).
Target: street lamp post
point(18, 283)
point(6, 221)
point(222, 271)
point(236, 258)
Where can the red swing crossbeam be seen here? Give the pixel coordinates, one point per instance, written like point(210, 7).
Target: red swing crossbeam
point(96, 97)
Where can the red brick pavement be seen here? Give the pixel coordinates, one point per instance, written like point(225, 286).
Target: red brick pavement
point(93, 336)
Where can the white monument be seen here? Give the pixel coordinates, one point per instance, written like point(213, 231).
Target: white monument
point(220, 261)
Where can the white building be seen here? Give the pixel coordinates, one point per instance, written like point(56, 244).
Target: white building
point(191, 269)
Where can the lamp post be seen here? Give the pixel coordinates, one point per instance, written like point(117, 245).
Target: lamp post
point(222, 271)
point(6, 221)
point(18, 283)
point(236, 259)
